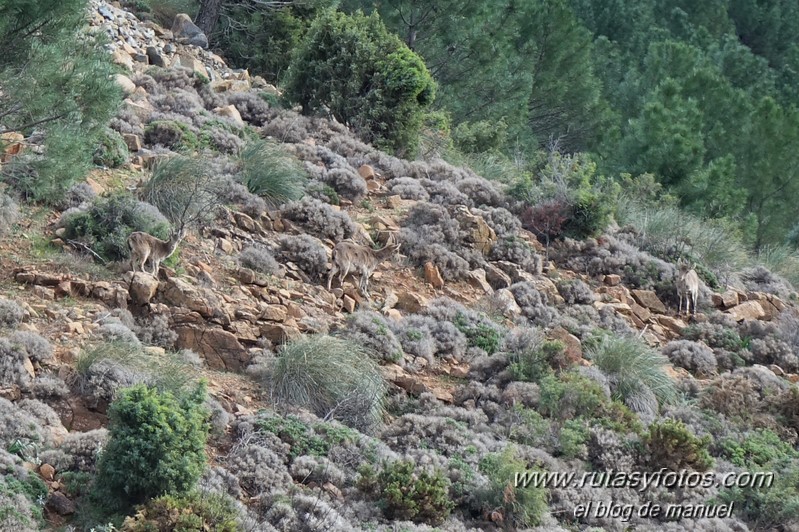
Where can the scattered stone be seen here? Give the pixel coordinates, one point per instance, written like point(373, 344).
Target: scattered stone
point(142, 288)
point(433, 276)
point(411, 302)
point(125, 83)
point(650, 300)
point(220, 349)
point(186, 32)
point(748, 310)
point(477, 278)
point(47, 472)
point(156, 58)
point(133, 141)
point(60, 504)
point(612, 279)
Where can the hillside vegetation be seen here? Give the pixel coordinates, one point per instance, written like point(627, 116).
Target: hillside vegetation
point(545, 169)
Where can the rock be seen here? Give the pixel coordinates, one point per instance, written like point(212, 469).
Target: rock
point(650, 300)
point(574, 348)
point(477, 233)
point(367, 172)
point(348, 304)
point(185, 31)
point(225, 245)
point(496, 277)
point(278, 333)
point(60, 504)
point(748, 310)
point(394, 201)
point(142, 288)
point(132, 141)
point(612, 279)
point(674, 325)
point(716, 300)
point(188, 61)
point(506, 303)
point(642, 313)
point(390, 301)
point(179, 293)
point(729, 298)
point(125, 83)
point(156, 58)
point(273, 313)
point(220, 349)
point(42, 292)
point(230, 112)
point(477, 278)
point(28, 365)
point(433, 276)
point(120, 57)
point(411, 302)
point(47, 472)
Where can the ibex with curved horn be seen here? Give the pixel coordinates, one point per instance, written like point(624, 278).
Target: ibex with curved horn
point(351, 257)
point(144, 246)
point(687, 287)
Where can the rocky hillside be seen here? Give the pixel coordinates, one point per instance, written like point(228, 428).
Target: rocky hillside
point(498, 354)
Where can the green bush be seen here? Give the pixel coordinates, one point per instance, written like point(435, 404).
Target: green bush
point(534, 364)
point(771, 505)
point(156, 446)
point(572, 438)
point(26, 516)
point(636, 372)
point(406, 493)
point(171, 134)
point(332, 377)
point(111, 150)
point(63, 88)
point(268, 171)
point(105, 226)
point(315, 440)
point(479, 335)
point(365, 76)
point(760, 448)
point(671, 445)
point(192, 512)
point(262, 38)
point(571, 395)
point(567, 198)
point(521, 506)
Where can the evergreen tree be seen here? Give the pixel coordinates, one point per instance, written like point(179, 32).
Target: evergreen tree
point(57, 81)
point(364, 76)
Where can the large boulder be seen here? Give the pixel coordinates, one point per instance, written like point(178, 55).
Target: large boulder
point(186, 32)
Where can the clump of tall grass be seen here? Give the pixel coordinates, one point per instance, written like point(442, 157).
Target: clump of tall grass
point(636, 373)
point(270, 172)
point(333, 377)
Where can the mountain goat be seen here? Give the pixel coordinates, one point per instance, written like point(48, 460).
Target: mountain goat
point(687, 287)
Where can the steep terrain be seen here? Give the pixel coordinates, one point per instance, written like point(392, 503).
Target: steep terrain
point(500, 354)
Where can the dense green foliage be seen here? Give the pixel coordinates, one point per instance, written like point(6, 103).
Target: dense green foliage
point(157, 445)
point(105, 226)
point(521, 506)
point(407, 493)
point(365, 76)
point(55, 80)
point(193, 512)
point(703, 97)
point(261, 37)
point(671, 445)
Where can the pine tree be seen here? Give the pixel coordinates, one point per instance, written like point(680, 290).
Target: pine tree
point(55, 80)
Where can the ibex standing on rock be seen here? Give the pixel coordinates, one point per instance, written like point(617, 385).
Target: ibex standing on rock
point(351, 257)
point(687, 285)
point(145, 246)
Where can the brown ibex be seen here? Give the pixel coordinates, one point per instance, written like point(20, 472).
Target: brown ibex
point(351, 257)
point(687, 287)
point(144, 246)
